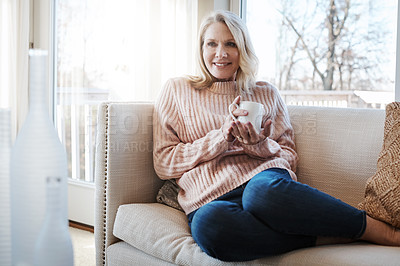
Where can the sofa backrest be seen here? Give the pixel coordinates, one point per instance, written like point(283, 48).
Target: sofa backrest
point(338, 148)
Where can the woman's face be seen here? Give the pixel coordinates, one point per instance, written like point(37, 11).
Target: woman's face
point(220, 52)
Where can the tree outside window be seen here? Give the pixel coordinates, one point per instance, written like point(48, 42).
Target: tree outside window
point(331, 46)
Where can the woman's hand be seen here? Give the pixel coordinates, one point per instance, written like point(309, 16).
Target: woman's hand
point(244, 133)
point(228, 126)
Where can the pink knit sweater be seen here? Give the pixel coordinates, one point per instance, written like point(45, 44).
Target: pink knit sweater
point(189, 144)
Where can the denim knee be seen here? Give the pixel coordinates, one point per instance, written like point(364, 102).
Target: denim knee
point(207, 228)
point(266, 195)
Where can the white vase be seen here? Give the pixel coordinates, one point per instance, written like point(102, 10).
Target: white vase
point(37, 153)
point(53, 246)
point(5, 226)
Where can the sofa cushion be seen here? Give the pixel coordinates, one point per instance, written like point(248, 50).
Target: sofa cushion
point(158, 230)
point(163, 232)
point(123, 254)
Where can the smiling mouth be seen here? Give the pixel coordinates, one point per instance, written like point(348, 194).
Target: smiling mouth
point(221, 64)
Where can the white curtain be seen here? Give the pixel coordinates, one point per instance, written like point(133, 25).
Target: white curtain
point(14, 46)
point(128, 48)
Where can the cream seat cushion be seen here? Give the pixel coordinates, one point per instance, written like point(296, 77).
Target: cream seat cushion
point(163, 232)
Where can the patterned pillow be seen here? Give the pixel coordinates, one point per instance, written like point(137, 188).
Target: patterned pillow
point(168, 194)
point(382, 193)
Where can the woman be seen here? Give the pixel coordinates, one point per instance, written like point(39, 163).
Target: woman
point(238, 187)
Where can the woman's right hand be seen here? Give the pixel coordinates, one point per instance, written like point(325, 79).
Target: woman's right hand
point(229, 125)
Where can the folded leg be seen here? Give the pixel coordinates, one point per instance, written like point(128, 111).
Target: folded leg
point(291, 207)
point(227, 232)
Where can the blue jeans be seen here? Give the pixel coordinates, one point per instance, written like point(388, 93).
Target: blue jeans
point(269, 215)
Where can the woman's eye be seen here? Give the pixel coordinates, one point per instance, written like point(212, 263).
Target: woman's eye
point(231, 44)
point(211, 44)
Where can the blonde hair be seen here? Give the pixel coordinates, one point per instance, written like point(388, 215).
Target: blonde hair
point(248, 61)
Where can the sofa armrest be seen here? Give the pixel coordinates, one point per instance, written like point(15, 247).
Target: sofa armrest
point(124, 171)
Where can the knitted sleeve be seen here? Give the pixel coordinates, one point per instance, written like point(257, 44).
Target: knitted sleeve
point(171, 156)
point(281, 141)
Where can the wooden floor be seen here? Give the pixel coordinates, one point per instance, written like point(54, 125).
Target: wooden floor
point(81, 226)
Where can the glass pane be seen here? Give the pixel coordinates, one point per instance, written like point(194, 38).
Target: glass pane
point(328, 53)
point(114, 50)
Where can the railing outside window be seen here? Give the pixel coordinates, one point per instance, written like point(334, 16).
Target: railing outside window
point(76, 124)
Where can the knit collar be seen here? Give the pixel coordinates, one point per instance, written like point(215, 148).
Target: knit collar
point(225, 87)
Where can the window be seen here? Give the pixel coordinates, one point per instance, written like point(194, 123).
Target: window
point(114, 50)
point(328, 53)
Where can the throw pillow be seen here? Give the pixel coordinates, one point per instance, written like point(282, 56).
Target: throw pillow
point(382, 193)
point(168, 194)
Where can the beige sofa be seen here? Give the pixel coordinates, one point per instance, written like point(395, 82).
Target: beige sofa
point(338, 149)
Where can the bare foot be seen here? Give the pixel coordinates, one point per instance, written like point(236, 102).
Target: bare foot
point(381, 233)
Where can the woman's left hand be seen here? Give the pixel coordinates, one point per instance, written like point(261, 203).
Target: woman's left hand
point(247, 134)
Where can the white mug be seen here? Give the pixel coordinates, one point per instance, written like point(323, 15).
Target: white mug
point(255, 114)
